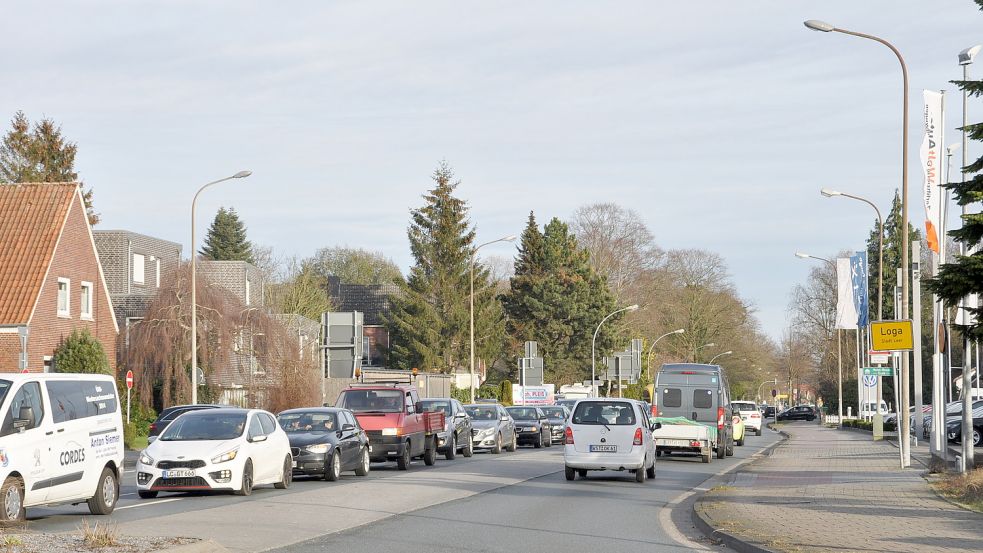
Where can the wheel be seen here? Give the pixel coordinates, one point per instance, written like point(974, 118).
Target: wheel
point(707, 457)
point(640, 475)
point(247, 479)
point(451, 448)
point(12, 493)
point(403, 462)
point(651, 471)
point(468, 450)
point(107, 492)
point(740, 442)
point(730, 449)
point(721, 451)
point(757, 432)
point(145, 494)
point(549, 439)
point(498, 444)
point(658, 453)
point(430, 451)
point(569, 473)
point(332, 472)
point(287, 476)
point(582, 473)
point(363, 466)
point(540, 442)
point(976, 437)
point(515, 443)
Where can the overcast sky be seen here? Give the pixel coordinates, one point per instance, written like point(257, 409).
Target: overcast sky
point(717, 121)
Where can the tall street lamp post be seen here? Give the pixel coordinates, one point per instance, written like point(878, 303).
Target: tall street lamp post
point(474, 255)
point(839, 342)
point(593, 355)
point(714, 358)
point(903, 422)
point(652, 348)
point(194, 294)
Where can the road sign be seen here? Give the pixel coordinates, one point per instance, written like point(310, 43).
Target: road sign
point(774, 392)
point(25, 371)
point(878, 371)
point(879, 357)
point(892, 335)
point(870, 381)
point(129, 379)
point(782, 396)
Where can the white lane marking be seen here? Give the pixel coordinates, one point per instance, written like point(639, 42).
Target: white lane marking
point(149, 503)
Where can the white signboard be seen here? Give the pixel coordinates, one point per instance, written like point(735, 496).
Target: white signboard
point(532, 395)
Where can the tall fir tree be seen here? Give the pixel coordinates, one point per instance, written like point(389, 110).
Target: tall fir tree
point(429, 323)
point(556, 299)
point(40, 155)
point(892, 258)
point(226, 238)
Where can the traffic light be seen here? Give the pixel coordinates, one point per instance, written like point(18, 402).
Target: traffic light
point(774, 392)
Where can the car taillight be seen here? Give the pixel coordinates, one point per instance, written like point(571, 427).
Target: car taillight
point(720, 418)
point(153, 427)
point(755, 416)
point(568, 436)
point(638, 437)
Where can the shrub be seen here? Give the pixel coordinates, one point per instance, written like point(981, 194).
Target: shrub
point(81, 353)
point(461, 394)
point(505, 393)
point(488, 391)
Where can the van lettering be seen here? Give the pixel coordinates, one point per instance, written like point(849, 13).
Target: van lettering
point(72, 456)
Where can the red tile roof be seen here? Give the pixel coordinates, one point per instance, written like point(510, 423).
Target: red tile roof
point(31, 218)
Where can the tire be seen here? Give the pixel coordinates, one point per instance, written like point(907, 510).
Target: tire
point(430, 451)
point(403, 461)
point(540, 442)
point(515, 443)
point(468, 450)
point(640, 475)
point(549, 439)
point(740, 442)
point(721, 451)
point(363, 466)
point(333, 471)
point(977, 437)
point(569, 473)
point(707, 457)
point(247, 479)
point(146, 494)
point(651, 471)
point(451, 448)
point(288, 474)
point(730, 449)
point(12, 497)
point(107, 493)
point(582, 473)
point(757, 432)
point(498, 444)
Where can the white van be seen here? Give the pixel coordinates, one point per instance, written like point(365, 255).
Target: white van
point(61, 441)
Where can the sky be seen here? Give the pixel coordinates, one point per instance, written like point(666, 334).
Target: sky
point(718, 122)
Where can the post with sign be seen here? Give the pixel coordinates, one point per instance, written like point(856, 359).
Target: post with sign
point(129, 386)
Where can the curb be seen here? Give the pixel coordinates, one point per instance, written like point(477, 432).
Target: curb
point(203, 546)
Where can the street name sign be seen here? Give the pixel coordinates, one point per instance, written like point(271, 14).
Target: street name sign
point(878, 371)
point(892, 335)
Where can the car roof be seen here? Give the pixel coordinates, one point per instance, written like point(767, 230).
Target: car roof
point(224, 411)
point(483, 405)
point(312, 410)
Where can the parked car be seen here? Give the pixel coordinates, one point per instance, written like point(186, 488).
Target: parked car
point(494, 428)
point(532, 426)
point(954, 430)
point(325, 441)
point(557, 415)
point(749, 414)
point(769, 412)
point(798, 413)
point(738, 428)
point(700, 393)
point(609, 434)
point(168, 414)
point(216, 449)
point(457, 427)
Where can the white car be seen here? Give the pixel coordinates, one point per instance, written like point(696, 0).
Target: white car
point(749, 414)
point(216, 449)
point(609, 434)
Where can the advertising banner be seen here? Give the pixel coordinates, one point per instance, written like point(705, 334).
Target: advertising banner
point(846, 310)
point(932, 159)
point(533, 395)
point(859, 280)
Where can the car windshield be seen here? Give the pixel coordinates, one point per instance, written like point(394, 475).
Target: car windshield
point(366, 401)
point(555, 412)
point(483, 413)
point(4, 388)
point(205, 425)
point(308, 421)
point(604, 412)
point(434, 406)
point(523, 413)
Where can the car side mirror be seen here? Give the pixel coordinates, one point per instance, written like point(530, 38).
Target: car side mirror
point(505, 417)
point(461, 415)
point(415, 407)
point(260, 438)
point(25, 418)
point(347, 427)
point(151, 439)
point(655, 426)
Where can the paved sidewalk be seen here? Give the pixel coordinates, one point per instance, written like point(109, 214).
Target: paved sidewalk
point(835, 490)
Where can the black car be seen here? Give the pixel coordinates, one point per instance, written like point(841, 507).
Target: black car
point(168, 415)
point(457, 427)
point(325, 441)
point(954, 430)
point(769, 412)
point(557, 414)
point(532, 427)
point(798, 413)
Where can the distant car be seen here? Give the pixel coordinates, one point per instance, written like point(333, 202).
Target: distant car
point(769, 412)
point(568, 403)
point(798, 413)
point(557, 415)
point(493, 427)
point(954, 430)
point(457, 427)
point(168, 415)
point(325, 441)
point(531, 426)
point(227, 449)
point(749, 414)
point(609, 434)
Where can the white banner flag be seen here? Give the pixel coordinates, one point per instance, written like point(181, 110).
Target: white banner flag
point(846, 310)
point(932, 160)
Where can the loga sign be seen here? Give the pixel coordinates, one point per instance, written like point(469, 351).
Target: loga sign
point(892, 336)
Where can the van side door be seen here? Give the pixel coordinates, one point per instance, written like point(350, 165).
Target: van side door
point(67, 451)
point(24, 446)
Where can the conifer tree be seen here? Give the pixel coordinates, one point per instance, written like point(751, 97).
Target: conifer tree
point(226, 239)
point(892, 258)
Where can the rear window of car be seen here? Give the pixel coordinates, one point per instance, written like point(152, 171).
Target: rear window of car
point(672, 397)
point(741, 406)
point(604, 412)
point(702, 399)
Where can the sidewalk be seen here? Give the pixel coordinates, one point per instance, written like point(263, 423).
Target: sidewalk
point(834, 490)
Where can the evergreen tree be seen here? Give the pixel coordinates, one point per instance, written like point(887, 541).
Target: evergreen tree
point(81, 353)
point(226, 239)
point(892, 258)
point(429, 324)
point(40, 155)
point(556, 299)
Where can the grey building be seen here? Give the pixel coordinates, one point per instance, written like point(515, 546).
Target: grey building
point(244, 280)
point(372, 300)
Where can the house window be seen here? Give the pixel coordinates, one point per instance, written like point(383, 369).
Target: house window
point(157, 274)
point(85, 300)
point(63, 297)
point(138, 268)
point(49, 364)
point(247, 291)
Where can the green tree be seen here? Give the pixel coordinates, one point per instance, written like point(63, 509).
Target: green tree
point(892, 258)
point(355, 266)
point(81, 353)
point(505, 393)
point(226, 238)
point(429, 324)
point(557, 299)
point(304, 292)
point(40, 154)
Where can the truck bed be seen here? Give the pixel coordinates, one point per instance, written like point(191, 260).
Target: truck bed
point(682, 434)
point(433, 421)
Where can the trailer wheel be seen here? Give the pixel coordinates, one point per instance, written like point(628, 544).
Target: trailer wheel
point(706, 458)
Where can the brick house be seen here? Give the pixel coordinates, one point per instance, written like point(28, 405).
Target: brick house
point(51, 282)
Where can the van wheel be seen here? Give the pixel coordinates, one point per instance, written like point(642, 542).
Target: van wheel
point(430, 451)
point(288, 474)
point(640, 475)
point(247, 479)
point(403, 461)
point(107, 492)
point(451, 448)
point(12, 494)
point(721, 451)
point(569, 473)
point(145, 494)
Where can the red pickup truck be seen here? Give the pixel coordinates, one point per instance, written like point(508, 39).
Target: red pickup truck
point(392, 417)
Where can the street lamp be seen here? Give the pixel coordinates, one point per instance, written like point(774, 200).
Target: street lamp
point(710, 345)
point(474, 254)
point(728, 352)
point(593, 373)
point(839, 338)
point(652, 348)
point(822, 26)
point(194, 296)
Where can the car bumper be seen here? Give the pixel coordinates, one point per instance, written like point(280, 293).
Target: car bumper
point(484, 442)
point(209, 477)
point(604, 461)
point(383, 448)
point(310, 464)
point(752, 424)
point(531, 438)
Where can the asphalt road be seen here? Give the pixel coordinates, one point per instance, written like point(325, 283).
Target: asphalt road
point(509, 502)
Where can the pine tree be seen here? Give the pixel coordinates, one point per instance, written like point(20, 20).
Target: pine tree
point(226, 239)
point(556, 299)
point(40, 155)
point(429, 324)
point(892, 258)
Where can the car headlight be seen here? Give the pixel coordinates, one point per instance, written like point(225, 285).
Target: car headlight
point(318, 448)
point(390, 432)
point(146, 459)
point(227, 456)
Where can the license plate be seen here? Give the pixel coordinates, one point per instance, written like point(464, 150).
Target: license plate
point(681, 443)
point(178, 473)
point(370, 448)
point(603, 448)
point(295, 464)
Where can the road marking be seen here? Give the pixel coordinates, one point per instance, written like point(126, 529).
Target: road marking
point(149, 503)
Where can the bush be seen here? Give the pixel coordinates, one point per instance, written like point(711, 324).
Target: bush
point(488, 391)
point(461, 394)
point(81, 353)
point(505, 393)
